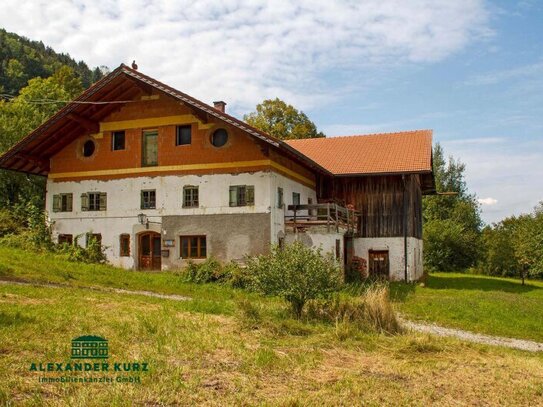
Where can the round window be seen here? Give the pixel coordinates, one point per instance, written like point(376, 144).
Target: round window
point(88, 148)
point(219, 137)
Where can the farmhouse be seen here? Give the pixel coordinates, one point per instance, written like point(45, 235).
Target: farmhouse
point(160, 178)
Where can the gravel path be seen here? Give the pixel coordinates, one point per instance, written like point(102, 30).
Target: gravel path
point(101, 289)
point(432, 329)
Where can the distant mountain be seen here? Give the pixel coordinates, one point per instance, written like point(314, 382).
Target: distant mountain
point(22, 59)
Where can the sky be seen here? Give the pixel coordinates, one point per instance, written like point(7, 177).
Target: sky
point(471, 70)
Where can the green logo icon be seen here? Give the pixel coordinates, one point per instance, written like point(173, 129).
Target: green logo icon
point(89, 347)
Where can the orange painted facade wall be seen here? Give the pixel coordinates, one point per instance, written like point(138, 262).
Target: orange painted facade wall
point(240, 147)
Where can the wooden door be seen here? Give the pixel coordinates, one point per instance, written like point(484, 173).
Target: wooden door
point(149, 244)
point(379, 264)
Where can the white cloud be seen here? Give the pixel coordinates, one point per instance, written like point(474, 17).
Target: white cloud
point(243, 51)
point(487, 201)
point(494, 77)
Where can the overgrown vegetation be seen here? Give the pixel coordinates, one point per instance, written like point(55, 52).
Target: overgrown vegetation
point(296, 273)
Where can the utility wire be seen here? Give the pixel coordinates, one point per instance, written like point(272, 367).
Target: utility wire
point(9, 97)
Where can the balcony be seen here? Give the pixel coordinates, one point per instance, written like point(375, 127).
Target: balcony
point(325, 217)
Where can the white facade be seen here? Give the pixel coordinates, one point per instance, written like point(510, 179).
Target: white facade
point(395, 248)
point(124, 205)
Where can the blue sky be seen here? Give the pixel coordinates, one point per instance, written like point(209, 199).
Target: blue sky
point(471, 70)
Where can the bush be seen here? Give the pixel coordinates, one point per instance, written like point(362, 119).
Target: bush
point(295, 273)
point(93, 253)
point(370, 311)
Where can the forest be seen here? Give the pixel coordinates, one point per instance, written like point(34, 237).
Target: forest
point(35, 82)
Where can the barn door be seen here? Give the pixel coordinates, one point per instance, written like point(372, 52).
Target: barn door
point(149, 251)
point(379, 264)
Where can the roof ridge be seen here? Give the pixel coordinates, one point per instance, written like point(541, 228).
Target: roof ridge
point(383, 133)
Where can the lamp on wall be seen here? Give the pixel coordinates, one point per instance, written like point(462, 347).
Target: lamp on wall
point(142, 219)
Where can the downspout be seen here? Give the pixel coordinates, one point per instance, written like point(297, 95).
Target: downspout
point(405, 228)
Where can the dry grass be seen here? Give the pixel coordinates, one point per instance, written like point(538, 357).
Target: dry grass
point(203, 359)
point(371, 311)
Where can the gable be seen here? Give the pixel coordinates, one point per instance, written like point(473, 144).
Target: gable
point(111, 93)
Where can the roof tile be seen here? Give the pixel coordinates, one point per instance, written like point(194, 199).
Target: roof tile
point(407, 151)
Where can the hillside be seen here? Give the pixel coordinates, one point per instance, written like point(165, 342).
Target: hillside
point(22, 59)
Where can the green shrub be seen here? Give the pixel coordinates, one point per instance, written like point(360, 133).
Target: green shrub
point(237, 276)
point(210, 271)
point(93, 253)
point(295, 273)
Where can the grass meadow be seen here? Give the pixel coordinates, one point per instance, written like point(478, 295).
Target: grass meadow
point(211, 351)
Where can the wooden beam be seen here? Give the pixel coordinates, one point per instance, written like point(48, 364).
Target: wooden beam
point(87, 124)
point(38, 162)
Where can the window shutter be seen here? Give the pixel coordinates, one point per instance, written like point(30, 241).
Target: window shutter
point(103, 201)
point(250, 194)
point(233, 196)
point(69, 202)
point(84, 202)
point(56, 203)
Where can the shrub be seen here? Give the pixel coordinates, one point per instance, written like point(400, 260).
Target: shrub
point(237, 276)
point(93, 253)
point(295, 273)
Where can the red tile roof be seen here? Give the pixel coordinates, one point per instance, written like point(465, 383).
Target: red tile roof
point(385, 153)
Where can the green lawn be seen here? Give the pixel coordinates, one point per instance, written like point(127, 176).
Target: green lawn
point(202, 351)
point(496, 306)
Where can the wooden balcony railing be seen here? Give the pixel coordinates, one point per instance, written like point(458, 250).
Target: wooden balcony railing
point(330, 215)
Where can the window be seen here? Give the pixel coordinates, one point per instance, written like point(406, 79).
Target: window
point(88, 148)
point(190, 196)
point(62, 202)
point(124, 243)
point(148, 199)
point(150, 148)
point(242, 195)
point(94, 201)
point(183, 135)
point(117, 140)
point(93, 237)
point(65, 239)
point(338, 249)
point(219, 137)
point(280, 199)
point(193, 247)
point(295, 198)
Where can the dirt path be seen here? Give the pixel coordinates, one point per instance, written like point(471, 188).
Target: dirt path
point(432, 329)
point(102, 289)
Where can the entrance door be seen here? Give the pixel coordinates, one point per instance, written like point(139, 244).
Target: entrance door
point(378, 264)
point(149, 251)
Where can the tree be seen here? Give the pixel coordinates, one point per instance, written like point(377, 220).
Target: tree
point(296, 273)
point(282, 121)
point(452, 223)
point(18, 117)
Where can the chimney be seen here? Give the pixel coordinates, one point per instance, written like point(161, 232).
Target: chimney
point(220, 106)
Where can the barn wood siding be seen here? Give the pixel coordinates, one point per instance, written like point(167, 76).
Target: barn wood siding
point(380, 200)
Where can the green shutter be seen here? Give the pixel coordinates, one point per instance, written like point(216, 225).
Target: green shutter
point(56, 203)
point(69, 202)
point(233, 196)
point(103, 201)
point(250, 195)
point(84, 202)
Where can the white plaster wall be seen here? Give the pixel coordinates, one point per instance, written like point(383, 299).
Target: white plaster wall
point(278, 214)
point(123, 204)
point(325, 241)
point(395, 247)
